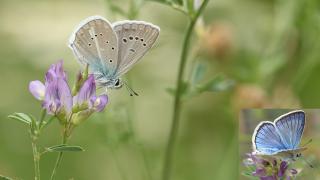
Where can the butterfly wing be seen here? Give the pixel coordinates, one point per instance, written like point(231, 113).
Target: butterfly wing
point(266, 139)
point(290, 127)
point(95, 43)
point(135, 38)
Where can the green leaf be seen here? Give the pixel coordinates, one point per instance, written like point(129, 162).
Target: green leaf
point(179, 2)
point(4, 178)
point(64, 148)
point(217, 84)
point(249, 175)
point(21, 117)
point(198, 73)
point(184, 89)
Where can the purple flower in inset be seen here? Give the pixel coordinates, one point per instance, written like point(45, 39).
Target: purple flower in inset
point(283, 168)
point(271, 168)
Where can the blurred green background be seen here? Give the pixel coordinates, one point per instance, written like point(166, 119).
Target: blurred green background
point(269, 48)
point(250, 118)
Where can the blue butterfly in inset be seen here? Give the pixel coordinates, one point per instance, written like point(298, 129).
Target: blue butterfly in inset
point(280, 138)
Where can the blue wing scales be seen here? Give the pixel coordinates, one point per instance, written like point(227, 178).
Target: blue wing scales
point(290, 128)
point(266, 139)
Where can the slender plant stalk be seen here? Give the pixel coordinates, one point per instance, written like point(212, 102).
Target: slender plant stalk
point(167, 166)
point(36, 158)
point(65, 136)
point(133, 13)
point(64, 141)
point(42, 117)
point(36, 154)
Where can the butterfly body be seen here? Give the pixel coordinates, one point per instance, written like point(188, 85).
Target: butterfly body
point(280, 138)
point(111, 50)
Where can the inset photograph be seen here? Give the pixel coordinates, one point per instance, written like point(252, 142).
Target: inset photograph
point(278, 144)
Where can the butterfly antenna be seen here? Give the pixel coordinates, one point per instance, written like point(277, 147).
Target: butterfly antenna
point(310, 140)
point(309, 164)
point(130, 90)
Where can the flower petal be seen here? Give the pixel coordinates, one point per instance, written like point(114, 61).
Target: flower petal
point(51, 101)
point(100, 102)
point(283, 168)
point(65, 96)
point(259, 172)
point(293, 171)
point(37, 89)
point(56, 71)
point(87, 91)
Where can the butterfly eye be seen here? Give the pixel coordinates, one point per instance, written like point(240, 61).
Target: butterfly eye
point(131, 38)
point(124, 40)
point(137, 38)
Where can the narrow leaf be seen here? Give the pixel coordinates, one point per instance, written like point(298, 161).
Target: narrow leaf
point(184, 89)
point(218, 83)
point(198, 73)
point(21, 117)
point(64, 148)
point(4, 178)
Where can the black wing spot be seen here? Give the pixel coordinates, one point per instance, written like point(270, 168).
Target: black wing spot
point(144, 44)
point(107, 42)
point(141, 39)
point(137, 38)
point(112, 48)
point(110, 60)
point(132, 50)
point(131, 38)
point(124, 40)
point(101, 34)
point(95, 35)
point(89, 44)
point(92, 38)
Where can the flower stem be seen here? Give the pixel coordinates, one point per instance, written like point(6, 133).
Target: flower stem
point(36, 158)
point(167, 166)
point(42, 117)
point(64, 141)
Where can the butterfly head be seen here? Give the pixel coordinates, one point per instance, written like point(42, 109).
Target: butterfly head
point(118, 84)
point(109, 83)
point(296, 156)
point(115, 84)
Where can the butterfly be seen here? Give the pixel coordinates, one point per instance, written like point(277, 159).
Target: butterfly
point(280, 138)
point(111, 50)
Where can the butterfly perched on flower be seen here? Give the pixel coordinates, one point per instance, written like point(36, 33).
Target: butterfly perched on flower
point(111, 50)
point(280, 138)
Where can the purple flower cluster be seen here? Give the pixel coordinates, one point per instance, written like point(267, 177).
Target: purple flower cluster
point(57, 98)
point(270, 168)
